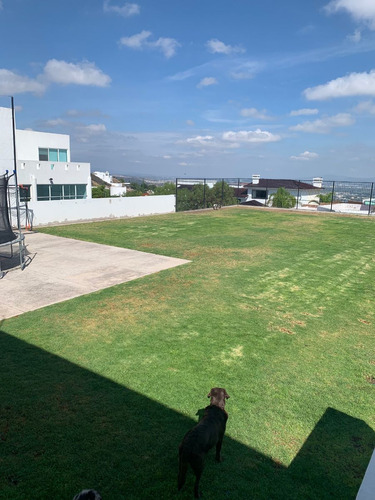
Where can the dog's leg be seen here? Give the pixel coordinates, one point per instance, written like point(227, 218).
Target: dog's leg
point(218, 448)
point(197, 466)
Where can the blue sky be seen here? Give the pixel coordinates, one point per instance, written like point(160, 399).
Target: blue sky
point(198, 88)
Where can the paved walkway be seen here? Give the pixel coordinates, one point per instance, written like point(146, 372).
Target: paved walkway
point(59, 269)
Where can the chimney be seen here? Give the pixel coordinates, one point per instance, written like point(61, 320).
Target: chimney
point(318, 182)
point(256, 178)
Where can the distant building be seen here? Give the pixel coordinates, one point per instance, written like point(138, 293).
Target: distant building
point(260, 190)
point(116, 187)
point(44, 169)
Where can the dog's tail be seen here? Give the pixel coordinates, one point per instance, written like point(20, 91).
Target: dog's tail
point(182, 469)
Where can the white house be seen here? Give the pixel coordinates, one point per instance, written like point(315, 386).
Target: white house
point(57, 189)
point(115, 188)
point(44, 168)
point(260, 190)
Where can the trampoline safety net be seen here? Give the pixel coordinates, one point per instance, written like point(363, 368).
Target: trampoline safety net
point(6, 233)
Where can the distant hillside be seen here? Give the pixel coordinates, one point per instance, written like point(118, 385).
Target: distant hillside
point(147, 179)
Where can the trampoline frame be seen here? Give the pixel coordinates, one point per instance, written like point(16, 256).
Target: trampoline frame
point(20, 238)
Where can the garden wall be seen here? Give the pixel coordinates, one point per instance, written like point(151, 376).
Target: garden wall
point(60, 211)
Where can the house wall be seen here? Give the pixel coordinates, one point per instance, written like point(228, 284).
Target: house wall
point(104, 176)
point(28, 143)
point(60, 211)
point(40, 172)
point(117, 190)
point(304, 195)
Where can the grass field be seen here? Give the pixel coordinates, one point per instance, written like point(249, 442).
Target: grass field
point(276, 307)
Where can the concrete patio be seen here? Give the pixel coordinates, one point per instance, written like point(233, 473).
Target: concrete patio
point(59, 269)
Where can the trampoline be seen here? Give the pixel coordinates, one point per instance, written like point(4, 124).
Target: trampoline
point(9, 237)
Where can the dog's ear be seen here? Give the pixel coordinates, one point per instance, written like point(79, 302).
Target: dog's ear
point(226, 395)
point(209, 394)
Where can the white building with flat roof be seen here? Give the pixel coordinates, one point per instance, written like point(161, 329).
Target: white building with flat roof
point(44, 168)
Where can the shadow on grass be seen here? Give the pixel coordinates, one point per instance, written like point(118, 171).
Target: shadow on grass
point(63, 428)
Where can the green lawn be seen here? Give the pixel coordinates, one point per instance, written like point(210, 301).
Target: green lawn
point(276, 307)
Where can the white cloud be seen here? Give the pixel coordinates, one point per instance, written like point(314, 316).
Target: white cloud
point(246, 70)
point(11, 83)
point(200, 140)
point(167, 46)
point(1, 5)
point(351, 85)
point(306, 156)
point(255, 113)
point(84, 73)
point(217, 47)
point(365, 107)
point(137, 41)
point(207, 81)
point(55, 122)
point(250, 136)
point(94, 128)
point(361, 10)
point(127, 10)
point(304, 112)
point(325, 125)
point(355, 37)
point(167, 157)
point(190, 123)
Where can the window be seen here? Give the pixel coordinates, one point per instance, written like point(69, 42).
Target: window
point(56, 192)
point(63, 155)
point(42, 192)
point(259, 193)
point(69, 191)
point(43, 154)
point(53, 154)
point(81, 191)
point(51, 192)
point(25, 192)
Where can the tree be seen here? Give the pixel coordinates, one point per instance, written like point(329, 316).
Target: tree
point(325, 198)
point(192, 198)
point(100, 192)
point(222, 194)
point(167, 188)
point(282, 199)
point(202, 196)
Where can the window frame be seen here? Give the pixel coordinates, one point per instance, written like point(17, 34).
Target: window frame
point(59, 154)
point(58, 192)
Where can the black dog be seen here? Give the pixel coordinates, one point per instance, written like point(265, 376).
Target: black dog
point(207, 433)
point(88, 495)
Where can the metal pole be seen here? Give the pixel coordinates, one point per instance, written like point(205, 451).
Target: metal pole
point(333, 193)
point(222, 192)
point(16, 184)
point(238, 190)
point(204, 193)
point(15, 166)
point(299, 182)
point(369, 205)
point(176, 194)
